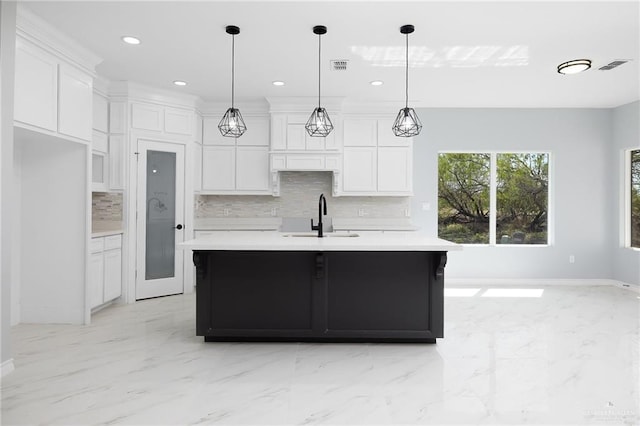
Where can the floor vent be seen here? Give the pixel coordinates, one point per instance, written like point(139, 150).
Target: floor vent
point(339, 64)
point(612, 65)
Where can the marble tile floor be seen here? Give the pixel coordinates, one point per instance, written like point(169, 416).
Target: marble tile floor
point(568, 357)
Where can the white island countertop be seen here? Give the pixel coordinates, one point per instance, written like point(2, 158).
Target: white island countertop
point(335, 241)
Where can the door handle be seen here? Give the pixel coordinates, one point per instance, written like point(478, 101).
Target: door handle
point(179, 226)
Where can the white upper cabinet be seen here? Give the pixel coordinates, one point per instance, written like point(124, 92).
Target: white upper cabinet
point(236, 165)
point(360, 132)
point(178, 121)
point(147, 117)
point(36, 87)
point(257, 133)
point(218, 168)
point(375, 161)
point(100, 113)
point(51, 94)
point(75, 103)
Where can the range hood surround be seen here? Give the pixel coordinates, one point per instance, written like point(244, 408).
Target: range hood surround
point(292, 149)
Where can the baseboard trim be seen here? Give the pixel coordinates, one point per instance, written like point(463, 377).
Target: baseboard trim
point(525, 282)
point(6, 367)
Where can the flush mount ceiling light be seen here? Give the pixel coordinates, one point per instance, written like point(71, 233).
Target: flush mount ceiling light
point(319, 123)
point(575, 66)
point(407, 123)
point(232, 125)
point(180, 83)
point(131, 40)
point(376, 83)
point(278, 83)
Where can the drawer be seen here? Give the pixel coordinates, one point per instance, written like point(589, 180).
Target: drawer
point(113, 242)
point(201, 234)
point(96, 245)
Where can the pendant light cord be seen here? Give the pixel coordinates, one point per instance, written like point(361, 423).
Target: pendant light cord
point(319, 67)
point(406, 86)
point(233, 70)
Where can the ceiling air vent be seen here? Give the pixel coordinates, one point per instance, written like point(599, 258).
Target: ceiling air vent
point(339, 64)
point(612, 65)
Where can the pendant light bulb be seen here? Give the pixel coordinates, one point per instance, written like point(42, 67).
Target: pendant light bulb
point(407, 123)
point(232, 124)
point(319, 123)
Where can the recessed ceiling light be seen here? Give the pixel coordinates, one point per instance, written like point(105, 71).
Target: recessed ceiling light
point(131, 40)
point(180, 83)
point(376, 83)
point(575, 66)
point(278, 83)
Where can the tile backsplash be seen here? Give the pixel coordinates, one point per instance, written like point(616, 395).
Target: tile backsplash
point(106, 206)
point(299, 192)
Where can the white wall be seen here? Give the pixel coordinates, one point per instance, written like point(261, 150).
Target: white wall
point(580, 183)
point(7, 55)
point(626, 135)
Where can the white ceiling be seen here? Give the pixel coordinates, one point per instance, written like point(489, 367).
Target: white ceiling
point(463, 54)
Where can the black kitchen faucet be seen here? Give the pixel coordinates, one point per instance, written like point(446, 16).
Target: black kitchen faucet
point(318, 227)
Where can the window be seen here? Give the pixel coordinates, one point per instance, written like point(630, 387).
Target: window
point(493, 198)
point(634, 228)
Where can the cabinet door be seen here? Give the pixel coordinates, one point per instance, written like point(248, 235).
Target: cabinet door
point(147, 117)
point(112, 274)
point(117, 162)
point(36, 87)
point(218, 168)
point(75, 103)
point(257, 133)
point(96, 279)
point(100, 113)
point(197, 167)
point(296, 137)
point(394, 169)
point(386, 136)
point(99, 172)
point(359, 169)
point(359, 132)
point(211, 134)
point(278, 132)
point(178, 121)
point(100, 142)
point(252, 168)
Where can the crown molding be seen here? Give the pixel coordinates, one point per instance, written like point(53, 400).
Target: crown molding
point(36, 30)
point(304, 103)
point(132, 91)
point(246, 108)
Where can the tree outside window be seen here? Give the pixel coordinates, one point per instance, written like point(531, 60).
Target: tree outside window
point(635, 199)
point(493, 198)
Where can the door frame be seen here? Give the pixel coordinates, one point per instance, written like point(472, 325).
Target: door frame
point(141, 222)
point(130, 201)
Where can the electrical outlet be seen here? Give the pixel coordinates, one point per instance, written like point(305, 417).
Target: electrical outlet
point(407, 213)
point(274, 211)
point(572, 259)
point(426, 206)
point(226, 212)
point(362, 212)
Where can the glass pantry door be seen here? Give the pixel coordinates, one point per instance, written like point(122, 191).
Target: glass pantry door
point(160, 224)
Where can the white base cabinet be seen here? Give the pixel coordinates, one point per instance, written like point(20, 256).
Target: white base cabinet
point(105, 270)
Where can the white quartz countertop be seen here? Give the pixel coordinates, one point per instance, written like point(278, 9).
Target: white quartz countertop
point(105, 228)
point(336, 241)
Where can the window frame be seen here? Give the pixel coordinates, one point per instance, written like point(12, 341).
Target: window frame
point(626, 199)
point(493, 192)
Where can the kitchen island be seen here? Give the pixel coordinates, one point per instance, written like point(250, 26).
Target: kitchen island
point(270, 286)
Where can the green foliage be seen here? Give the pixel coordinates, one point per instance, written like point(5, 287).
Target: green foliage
point(635, 198)
point(522, 197)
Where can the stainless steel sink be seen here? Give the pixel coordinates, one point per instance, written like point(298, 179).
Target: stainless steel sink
point(315, 235)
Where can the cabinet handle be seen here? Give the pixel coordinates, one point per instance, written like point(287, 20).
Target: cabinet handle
point(319, 266)
point(179, 226)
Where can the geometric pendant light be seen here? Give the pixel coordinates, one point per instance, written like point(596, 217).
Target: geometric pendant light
point(407, 123)
point(232, 125)
point(319, 123)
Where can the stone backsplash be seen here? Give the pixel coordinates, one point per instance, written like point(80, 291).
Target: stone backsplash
point(299, 192)
point(106, 206)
